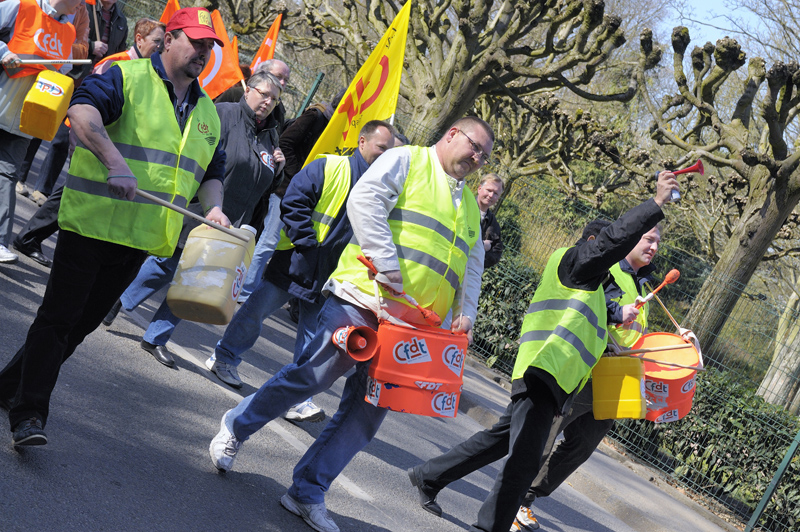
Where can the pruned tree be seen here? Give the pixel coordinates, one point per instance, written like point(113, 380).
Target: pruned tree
point(461, 49)
point(757, 162)
point(539, 137)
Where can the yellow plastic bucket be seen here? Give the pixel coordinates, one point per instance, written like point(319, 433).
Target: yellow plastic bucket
point(618, 388)
point(210, 275)
point(46, 104)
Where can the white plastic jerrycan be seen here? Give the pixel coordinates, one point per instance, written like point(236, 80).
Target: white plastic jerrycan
point(211, 274)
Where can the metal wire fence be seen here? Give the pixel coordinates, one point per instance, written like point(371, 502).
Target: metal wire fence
point(729, 447)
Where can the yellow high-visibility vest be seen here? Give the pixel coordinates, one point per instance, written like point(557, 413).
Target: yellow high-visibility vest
point(334, 193)
point(564, 332)
point(432, 237)
point(166, 162)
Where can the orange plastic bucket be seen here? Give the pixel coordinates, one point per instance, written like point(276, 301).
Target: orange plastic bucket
point(669, 390)
point(417, 371)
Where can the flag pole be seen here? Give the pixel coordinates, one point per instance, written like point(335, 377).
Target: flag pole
point(311, 93)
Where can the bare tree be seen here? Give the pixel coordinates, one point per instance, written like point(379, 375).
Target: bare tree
point(461, 49)
point(759, 162)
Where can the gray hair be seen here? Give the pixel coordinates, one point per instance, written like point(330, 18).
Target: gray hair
point(262, 76)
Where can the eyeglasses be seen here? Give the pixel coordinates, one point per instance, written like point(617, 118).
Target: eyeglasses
point(476, 149)
point(266, 97)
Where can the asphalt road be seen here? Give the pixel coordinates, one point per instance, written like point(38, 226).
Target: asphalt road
point(128, 445)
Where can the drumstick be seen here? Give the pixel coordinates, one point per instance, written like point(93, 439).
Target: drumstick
point(675, 323)
point(670, 278)
point(631, 352)
point(664, 363)
point(430, 316)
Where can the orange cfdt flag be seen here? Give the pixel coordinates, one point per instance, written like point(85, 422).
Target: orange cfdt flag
point(267, 48)
point(222, 70)
point(372, 95)
point(169, 10)
point(235, 48)
point(91, 2)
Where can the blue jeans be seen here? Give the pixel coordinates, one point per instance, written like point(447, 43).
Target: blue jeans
point(264, 247)
point(155, 274)
point(245, 327)
point(353, 426)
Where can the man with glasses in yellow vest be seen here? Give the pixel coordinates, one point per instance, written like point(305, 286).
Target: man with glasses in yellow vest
point(315, 231)
point(418, 223)
point(145, 125)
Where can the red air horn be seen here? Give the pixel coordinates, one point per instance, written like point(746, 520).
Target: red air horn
point(695, 168)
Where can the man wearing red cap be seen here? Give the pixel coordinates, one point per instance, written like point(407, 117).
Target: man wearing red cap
point(145, 125)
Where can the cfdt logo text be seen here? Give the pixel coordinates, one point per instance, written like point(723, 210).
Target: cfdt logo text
point(414, 351)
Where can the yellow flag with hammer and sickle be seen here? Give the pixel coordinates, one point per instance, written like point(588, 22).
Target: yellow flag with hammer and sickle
point(372, 95)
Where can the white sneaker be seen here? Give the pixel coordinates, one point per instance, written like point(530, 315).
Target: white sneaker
point(525, 521)
point(6, 256)
point(305, 411)
point(225, 372)
point(224, 447)
point(315, 515)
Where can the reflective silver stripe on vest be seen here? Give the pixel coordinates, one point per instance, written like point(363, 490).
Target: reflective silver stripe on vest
point(324, 219)
point(420, 257)
point(193, 167)
point(574, 304)
point(164, 158)
point(97, 188)
point(406, 216)
point(565, 334)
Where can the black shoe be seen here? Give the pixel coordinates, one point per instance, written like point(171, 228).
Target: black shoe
point(29, 432)
point(427, 497)
point(109, 319)
point(32, 250)
point(294, 310)
point(159, 352)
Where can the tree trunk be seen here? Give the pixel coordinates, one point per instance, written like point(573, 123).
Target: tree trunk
point(766, 211)
point(780, 384)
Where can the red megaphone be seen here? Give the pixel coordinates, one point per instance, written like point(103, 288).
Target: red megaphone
point(696, 167)
point(361, 343)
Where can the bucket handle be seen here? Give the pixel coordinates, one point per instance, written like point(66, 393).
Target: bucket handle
point(190, 214)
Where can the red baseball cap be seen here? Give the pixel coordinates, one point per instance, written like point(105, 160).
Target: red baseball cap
point(195, 23)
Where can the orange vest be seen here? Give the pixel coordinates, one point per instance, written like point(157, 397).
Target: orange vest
point(121, 56)
point(37, 35)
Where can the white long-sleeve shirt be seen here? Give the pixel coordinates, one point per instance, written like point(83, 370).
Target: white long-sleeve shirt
point(368, 208)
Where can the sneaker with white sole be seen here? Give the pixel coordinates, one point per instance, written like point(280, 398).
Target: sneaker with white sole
point(315, 515)
point(305, 411)
point(225, 372)
point(6, 256)
point(224, 447)
point(525, 520)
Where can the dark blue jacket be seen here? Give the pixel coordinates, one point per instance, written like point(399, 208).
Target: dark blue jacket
point(303, 270)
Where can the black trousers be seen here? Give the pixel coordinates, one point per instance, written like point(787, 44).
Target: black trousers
point(44, 221)
point(87, 277)
point(582, 435)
